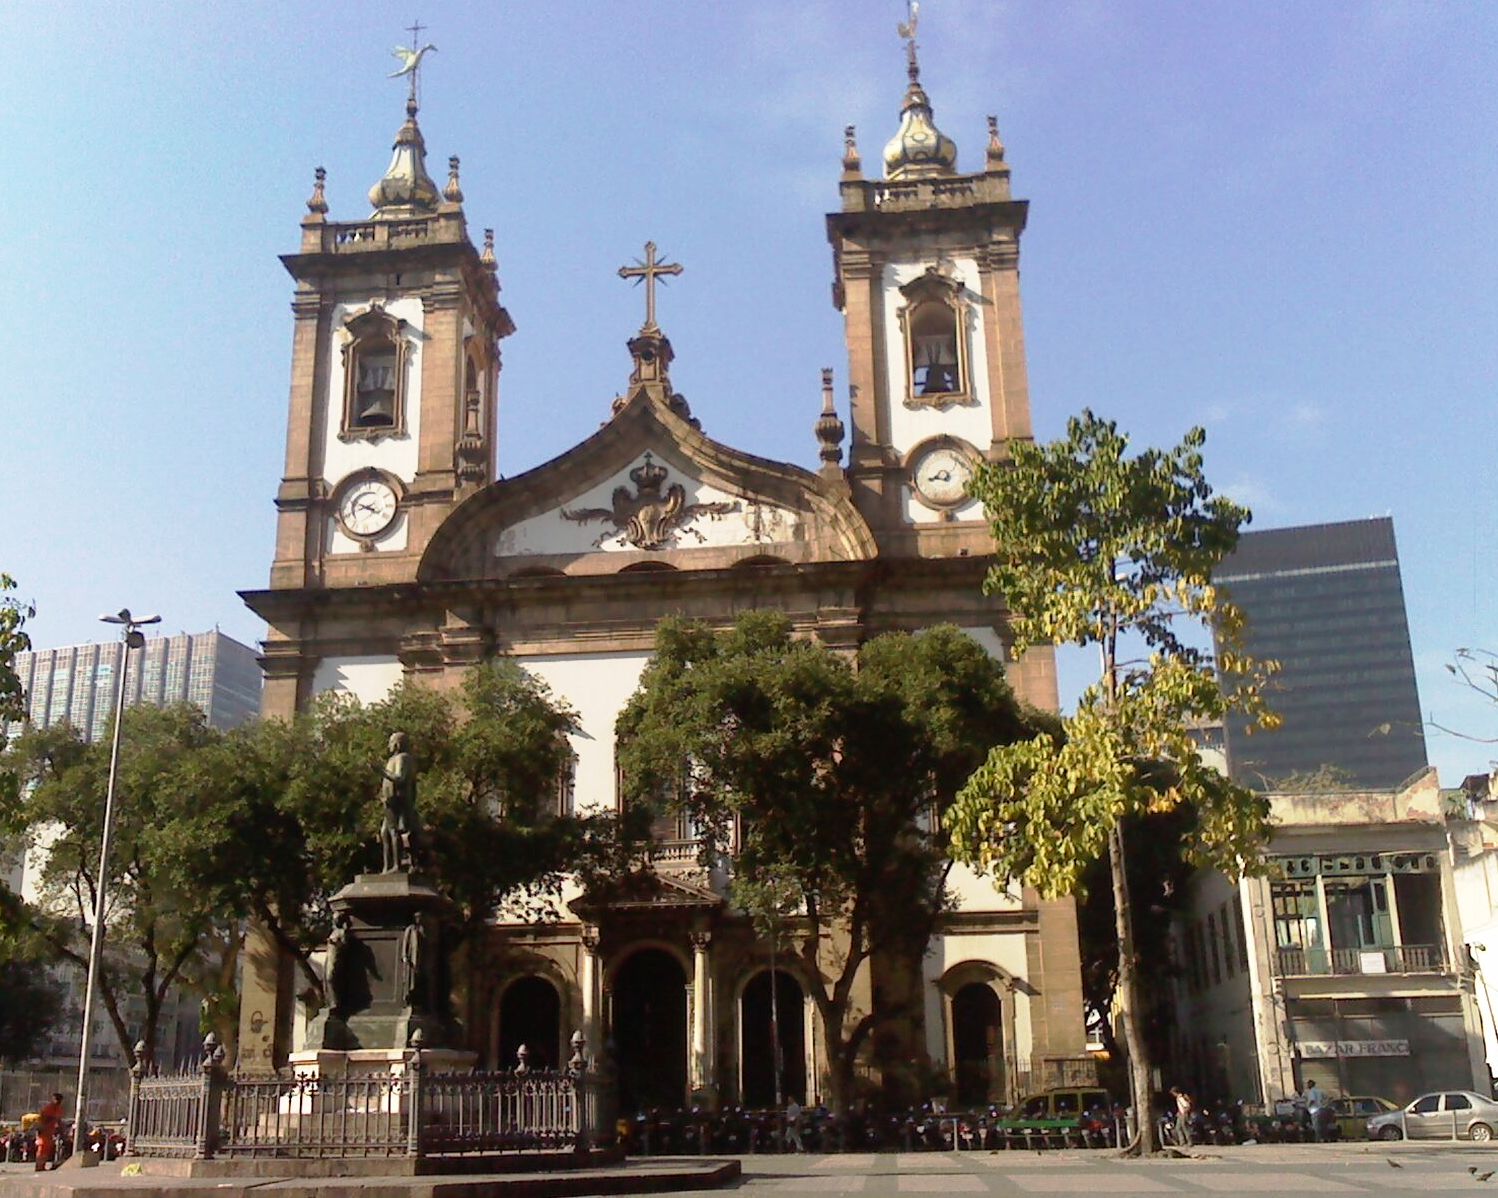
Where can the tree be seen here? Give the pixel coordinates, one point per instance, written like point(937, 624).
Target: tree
point(13, 640)
point(832, 774)
point(300, 817)
point(1093, 547)
point(269, 820)
point(157, 912)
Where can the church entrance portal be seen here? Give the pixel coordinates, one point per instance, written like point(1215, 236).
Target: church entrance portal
point(756, 1055)
point(650, 1031)
point(531, 1014)
point(976, 1020)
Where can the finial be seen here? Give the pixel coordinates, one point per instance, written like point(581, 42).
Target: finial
point(406, 190)
point(487, 255)
point(829, 428)
point(318, 202)
point(852, 166)
point(453, 192)
point(995, 146)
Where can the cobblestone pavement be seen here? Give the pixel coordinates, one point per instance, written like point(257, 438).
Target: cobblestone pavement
point(1267, 1171)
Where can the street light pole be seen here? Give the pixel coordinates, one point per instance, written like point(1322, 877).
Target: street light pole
point(132, 638)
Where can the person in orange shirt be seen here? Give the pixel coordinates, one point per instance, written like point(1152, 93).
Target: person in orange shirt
point(48, 1125)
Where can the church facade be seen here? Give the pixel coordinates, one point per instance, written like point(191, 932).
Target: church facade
point(400, 554)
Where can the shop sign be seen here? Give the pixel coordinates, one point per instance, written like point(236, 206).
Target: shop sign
point(1353, 1048)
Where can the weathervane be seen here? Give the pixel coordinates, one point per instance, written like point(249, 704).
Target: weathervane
point(906, 29)
point(649, 270)
point(410, 57)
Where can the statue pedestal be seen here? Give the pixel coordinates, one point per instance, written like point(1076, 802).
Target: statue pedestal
point(388, 972)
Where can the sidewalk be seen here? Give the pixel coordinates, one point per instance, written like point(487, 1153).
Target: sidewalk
point(118, 1179)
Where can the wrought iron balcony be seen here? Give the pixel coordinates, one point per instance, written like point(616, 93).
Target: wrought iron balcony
point(1395, 959)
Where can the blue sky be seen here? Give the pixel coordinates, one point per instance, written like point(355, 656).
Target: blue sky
point(1273, 219)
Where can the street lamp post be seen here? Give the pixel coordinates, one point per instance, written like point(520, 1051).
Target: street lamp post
point(133, 638)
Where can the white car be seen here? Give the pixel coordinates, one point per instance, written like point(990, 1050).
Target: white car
point(1448, 1115)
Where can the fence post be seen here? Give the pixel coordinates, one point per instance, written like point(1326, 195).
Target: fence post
point(584, 1096)
point(210, 1098)
point(414, 1097)
point(132, 1110)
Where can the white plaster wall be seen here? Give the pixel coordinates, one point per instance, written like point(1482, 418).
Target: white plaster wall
point(1003, 949)
point(368, 679)
point(395, 454)
point(393, 541)
point(752, 522)
point(917, 512)
point(596, 686)
point(910, 426)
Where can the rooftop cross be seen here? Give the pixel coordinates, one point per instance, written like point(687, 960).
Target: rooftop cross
point(649, 270)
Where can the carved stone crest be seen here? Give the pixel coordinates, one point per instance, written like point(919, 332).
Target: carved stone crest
point(649, 519)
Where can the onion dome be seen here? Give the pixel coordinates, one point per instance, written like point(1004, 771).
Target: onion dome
point(919, 148)
point(406, 189)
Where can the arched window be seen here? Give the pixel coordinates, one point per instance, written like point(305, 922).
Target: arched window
point(934, 319)
point(375, 360)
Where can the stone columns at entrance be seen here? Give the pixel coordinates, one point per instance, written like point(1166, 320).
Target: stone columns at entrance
point(591, 976)
point(702, 1072)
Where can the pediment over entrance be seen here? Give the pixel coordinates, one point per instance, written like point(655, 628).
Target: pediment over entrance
point(646, 891)
point(648, 487)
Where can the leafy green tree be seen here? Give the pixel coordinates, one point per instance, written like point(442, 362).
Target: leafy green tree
point(13, 640)
point(831, 773)
point(1095, 547)
point(299, 817)
point(157, 912)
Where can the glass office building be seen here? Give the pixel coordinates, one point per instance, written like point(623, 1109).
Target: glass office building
point(1326, 602)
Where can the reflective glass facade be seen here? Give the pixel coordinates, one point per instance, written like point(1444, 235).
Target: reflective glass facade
point(1326, 602)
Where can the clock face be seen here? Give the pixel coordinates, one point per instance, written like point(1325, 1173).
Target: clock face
point(367, 508)
point(942, 476)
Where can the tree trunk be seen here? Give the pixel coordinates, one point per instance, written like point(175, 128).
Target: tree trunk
point(1128, 991)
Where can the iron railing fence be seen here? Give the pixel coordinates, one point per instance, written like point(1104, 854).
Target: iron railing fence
point(415, 1113)
point(1403, 958)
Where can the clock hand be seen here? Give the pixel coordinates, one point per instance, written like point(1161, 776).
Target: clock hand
point(941, 476)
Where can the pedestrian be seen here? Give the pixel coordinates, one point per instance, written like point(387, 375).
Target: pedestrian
point(793, 1126)
point(1315, 1100)
point(49, 1122)
point(1185, 1107)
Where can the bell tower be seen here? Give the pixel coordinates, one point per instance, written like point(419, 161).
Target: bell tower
point(394, 378)
point(926, 274)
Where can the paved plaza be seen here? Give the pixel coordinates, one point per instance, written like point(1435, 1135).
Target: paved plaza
point(1299, 1171)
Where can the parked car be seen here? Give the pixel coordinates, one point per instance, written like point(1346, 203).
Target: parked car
point(1451, 1114)
point(1353, 1111)
point(1058, 1112)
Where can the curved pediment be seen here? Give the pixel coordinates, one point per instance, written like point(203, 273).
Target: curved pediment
point(647, 487)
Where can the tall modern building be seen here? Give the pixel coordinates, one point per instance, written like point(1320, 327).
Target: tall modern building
point(1326, 602)
point(76, 684)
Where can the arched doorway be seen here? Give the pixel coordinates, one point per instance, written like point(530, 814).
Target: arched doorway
point(530, 1013)
point(649, 1023)
point(977, 1043)
point(756, 1052)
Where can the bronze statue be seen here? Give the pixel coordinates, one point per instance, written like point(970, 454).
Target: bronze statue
point(338, 965)
point(414, 984)
point(400, 829)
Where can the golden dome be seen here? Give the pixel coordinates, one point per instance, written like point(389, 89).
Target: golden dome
point(919, 148)
point(406, 189)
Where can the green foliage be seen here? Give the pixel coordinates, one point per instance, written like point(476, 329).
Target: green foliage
point(1096, 547)
point(834, 770)
point(1093, 546)
point(13, 640)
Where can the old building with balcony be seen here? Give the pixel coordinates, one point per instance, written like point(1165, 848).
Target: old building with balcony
point(1345, 963)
